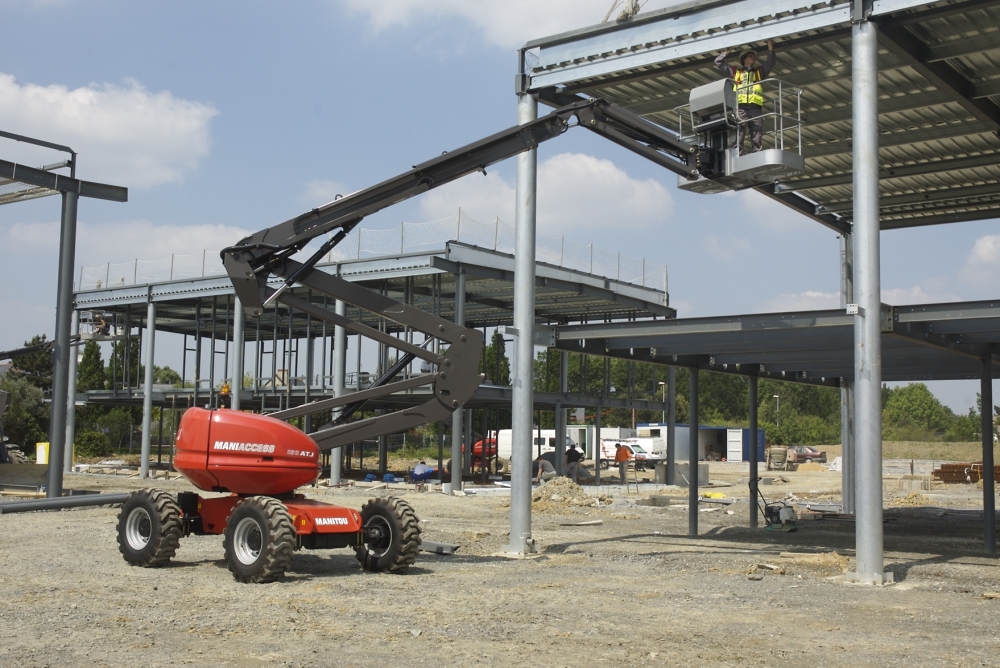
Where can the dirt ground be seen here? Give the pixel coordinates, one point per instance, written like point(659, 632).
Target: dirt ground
point(634, 590)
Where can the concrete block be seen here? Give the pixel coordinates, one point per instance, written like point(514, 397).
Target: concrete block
point(683, 476)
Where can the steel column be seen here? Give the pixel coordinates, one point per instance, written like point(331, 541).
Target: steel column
point(339, 381)
point(752, 396)
point(693, 454)
point(867, 286)
point(239, 348)
point(989, 500)
point(597, 446)
point(560, 416)
point(521, 541)
point(457, 429)
point(62, 350)
point(672, 426)
point(847, 458)
point(147, 390)
point(71, 400)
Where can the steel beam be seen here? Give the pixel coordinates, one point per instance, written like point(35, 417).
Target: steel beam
point(927, 196)
point(901, 137)
point(521, 541)
point(62, 348)
point(71, 399)
point(457, 430)
point(239, 348)
point(147, 389)
point(671, 425)
point(693, 452)
point(806, 208)
point(943, 76)
point(867, 339)
point(847, 458)
point(754, 472)
point(944, 165)
point(339, 382)
point(989, 491)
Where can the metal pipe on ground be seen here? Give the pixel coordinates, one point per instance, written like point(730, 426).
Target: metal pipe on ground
point(60, 503)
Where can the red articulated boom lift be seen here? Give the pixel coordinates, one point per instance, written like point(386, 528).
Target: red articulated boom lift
point(259, 460)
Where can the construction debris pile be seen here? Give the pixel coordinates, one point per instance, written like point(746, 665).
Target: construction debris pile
point(970, 473)
point(560, 493)
point(911, 500)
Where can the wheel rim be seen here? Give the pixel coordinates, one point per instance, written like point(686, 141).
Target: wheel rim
point(247, 540)
point(379, 533)
point(138, 528)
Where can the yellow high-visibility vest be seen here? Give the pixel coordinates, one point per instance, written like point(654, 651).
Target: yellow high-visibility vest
point(748, 88)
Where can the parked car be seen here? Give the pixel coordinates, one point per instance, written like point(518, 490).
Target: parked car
point(805, 454)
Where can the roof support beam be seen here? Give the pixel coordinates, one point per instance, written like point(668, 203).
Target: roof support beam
point(935, 167)
point(943, 12)
point(905, 44)
point(806, 208)
point(902, 138)
point(929, 197)
point(940, 218)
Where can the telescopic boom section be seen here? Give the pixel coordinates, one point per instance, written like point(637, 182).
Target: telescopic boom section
point(252, 261)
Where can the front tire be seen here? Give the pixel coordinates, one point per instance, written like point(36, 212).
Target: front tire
point(392, 536)
point(149, 528)
point(259, 540)
point(16, 456)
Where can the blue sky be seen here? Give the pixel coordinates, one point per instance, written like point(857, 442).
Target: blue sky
point(226, 117)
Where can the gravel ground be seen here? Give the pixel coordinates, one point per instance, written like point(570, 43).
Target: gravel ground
point(631, 591)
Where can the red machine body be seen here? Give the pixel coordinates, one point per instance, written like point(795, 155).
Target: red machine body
point(308, 516)
point(244, 453)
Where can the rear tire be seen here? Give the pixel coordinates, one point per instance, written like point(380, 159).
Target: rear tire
point(392, 537)
point(259, 540)
point(149, 528)
point(16, 456)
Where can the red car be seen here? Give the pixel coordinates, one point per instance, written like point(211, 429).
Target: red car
point(806, 454)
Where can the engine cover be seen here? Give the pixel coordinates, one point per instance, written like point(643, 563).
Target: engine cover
point(244, 453)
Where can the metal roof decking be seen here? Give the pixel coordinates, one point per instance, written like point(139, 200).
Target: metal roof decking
point(939, 90)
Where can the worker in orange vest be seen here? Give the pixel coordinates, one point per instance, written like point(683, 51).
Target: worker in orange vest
point(622, 455)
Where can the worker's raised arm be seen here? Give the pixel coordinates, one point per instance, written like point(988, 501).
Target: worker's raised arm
point(770, 61)
point(720, 64)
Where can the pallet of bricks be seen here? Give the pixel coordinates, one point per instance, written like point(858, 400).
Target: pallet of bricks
point(963, 473)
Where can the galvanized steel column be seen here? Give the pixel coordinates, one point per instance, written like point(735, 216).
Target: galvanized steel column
point(339, 381)
point(672, 426)
point(867, 288)
point(71, 400)
point(239, 319)
point(693, 454)
point(847, 458)
point(457, 428)
point(62, 350)
point(521, 541)
point(753, 452)
point(989, 500)
point(147, 390)
point(561, 417)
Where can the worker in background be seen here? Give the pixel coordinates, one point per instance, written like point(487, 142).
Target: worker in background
point(572, 462)
point(543, 469)
point(749, 91)
point(622, 455)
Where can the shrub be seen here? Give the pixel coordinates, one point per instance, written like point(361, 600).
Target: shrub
point(92, 444)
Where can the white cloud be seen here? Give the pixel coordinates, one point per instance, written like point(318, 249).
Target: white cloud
point(983, 262)
point(726, 248)
point(506, 24)
point(125, 135)
point(99, 243)
point(810, 300)
point(575, 192)
point(917, 294)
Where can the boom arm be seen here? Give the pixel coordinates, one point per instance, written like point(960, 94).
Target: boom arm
point(252, 261)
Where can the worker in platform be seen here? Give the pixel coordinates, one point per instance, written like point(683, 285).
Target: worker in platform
point(622, 455)
point(747, 80)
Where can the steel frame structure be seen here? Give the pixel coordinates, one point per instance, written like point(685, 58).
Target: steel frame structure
point(878, 157)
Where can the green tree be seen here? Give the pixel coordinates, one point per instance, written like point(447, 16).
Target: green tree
point(36, 368)
point(494, 362)
point(121, 368)
point(164, 375)
point(27, 418)
point(912, 412)
point(90, 374)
